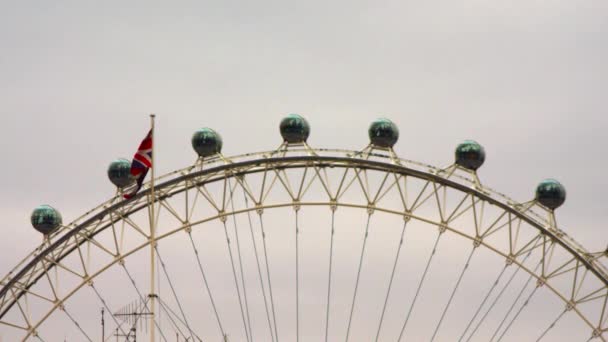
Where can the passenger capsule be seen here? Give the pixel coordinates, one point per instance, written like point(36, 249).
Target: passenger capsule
point(119, 172)
point(383, 133)
point(206, 142)
point(551, 193)
point(470, 155)
point(294, 129)
point(45, 219)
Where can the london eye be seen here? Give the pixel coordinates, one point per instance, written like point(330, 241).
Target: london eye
point(301, 243)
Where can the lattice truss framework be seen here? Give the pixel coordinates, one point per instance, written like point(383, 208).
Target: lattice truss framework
point(450, 199)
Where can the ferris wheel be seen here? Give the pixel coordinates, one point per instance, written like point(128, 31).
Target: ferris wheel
point(309, 244)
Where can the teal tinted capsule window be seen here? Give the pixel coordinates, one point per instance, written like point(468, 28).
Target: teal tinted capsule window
point(551, 193)
point(383, 133)
point(45, 219)
point(206, 142)
point(294, 129)
point(470, 155)
point(119, 172)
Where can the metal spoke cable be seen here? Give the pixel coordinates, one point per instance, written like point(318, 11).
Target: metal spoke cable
point(525, 304)
point(179, 304)
point(118, 325)
point(169, 314)
point(257, 260)
point(445, 310)
point(483, 302)
point(426, 269)
point(552, 324)
point(512, 306)
point(240, 259)
point(145, 302)
point(502, 291)
point(76, 324)
point(592, 337)
point(175, 325)
point(352, 307)
point(274, 316)
point(200, 267)
point(331, 255)
point(236, 282)
point(297, 278)
point(390, 283)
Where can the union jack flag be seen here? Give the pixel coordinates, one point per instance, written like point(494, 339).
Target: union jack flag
point(142, 162)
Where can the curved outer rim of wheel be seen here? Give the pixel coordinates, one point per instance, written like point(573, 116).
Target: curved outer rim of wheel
point(258, 162)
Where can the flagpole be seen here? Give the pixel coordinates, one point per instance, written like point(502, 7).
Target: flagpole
point(152, 236)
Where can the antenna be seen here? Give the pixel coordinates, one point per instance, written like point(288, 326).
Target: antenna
point(132, 315)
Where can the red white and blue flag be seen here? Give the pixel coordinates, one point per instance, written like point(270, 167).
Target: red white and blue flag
point(142, 162)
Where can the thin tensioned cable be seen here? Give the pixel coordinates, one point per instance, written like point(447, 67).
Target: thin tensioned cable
point(524, 305)
point(447, 305)
point(118, 325)
point(76, 324)
point(141, 298)
point(179, 304)
point(502, 291)
point(552, 325)
point(591, 337)
point(257, 260)
point(169, 314)
point(483, 302)
point(331, 254)
point(200, 267)
point(236, 282)
point(390, 283)
point(352, 306)
point(240, 260)
point(426, 269)
point(297, 278)
point(521, 292)
point(274, 316)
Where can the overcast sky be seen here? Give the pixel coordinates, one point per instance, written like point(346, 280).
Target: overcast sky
point(527, 79)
